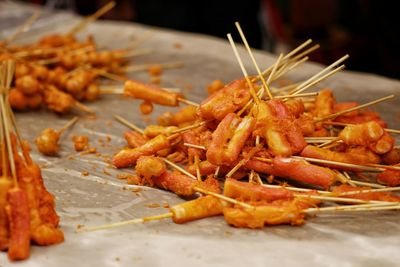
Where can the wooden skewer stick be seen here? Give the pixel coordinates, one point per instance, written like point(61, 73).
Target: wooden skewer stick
point(236, 167)
point(297, 189)
point(128, 222)
point(287, 56)
point(349, 207)
point(201, 190)
point(83, 107)
point(196, 164)
point(26, 25)
point(8, 144)
point(306, 52)
point(246, 76)
point(111, 76)
point(89, 19)
point(188, 102)
point(6, 75)
point(349, 124)
point(216, 173)
point(341, 164)
point(286, 68)
point(338, 199)
point(388, 167)
point(128, 124)
point(135, 53)
point(314, 82)
point(348, 178)
point(336, 163)
point(334, 140)
point(322, 72)
point(69, 124)
point(274, 69)
point(368, 184)
point(386, 189)
point(184, 129)
point(246, 44)
point(145, 67)
point(285, 88)
point(334, 115)
point(194, 146)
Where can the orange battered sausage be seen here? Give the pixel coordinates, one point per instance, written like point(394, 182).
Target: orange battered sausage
point(19, 220)
point(252, 192)
point(226, 100)
point(199, 208)
point(128, 157)
point(151, 93)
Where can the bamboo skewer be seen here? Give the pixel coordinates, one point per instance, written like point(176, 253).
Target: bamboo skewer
point(246, 76)
point(350, 124)
point(264, 83)
point(315, 81)
point(338, 199)
point(69, 124)
point(26, 25)
point(356, 192)
point(128, 124)
point(331, 116)
point(317, 75)
point(7, 72)
point(123, 223)
point(89, 19)
point(350, 207)
point(145, 67)
point(184, 129)
point(287, 56)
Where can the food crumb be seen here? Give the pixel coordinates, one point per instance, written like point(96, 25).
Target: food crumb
point(136, 190)
point(117, 259)
point(79, 226)
point(105, 171)
point(165, 205)
point(153, 205)
point(85, 173)
point(178, 45)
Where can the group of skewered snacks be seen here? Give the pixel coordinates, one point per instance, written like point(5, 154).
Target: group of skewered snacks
point(59, 71)
point(27, 209)
point(257, 146)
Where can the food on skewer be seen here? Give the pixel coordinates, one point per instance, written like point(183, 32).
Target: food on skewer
point(81, 142)
point(59, 71)
point(47, 142)
point(235, 132)
point(27, 209)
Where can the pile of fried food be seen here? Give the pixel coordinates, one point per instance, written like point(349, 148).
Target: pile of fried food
point(255, 140)
point(59, 71)
point(27, 209)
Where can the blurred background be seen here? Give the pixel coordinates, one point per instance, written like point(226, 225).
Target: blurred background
point(366, 29)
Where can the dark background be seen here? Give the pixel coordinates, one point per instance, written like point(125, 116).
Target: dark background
point(368, 30)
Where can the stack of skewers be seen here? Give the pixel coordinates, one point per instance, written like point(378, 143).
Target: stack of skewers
point(59, 71)
point(27, 209)
point(280, 154)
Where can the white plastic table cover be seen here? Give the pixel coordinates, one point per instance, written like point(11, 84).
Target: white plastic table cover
point(351, 239)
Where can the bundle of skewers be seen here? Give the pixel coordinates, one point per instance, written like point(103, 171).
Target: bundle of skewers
point(27, 209)
point(280, 154)
point(59, 71)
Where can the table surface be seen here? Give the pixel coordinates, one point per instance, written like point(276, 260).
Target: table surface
point(363, 239)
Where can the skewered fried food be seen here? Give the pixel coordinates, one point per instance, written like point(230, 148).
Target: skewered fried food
point(47, 141)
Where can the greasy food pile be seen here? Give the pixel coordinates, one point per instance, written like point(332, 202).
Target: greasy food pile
point(27, 209)
point(255, 140)
point(59, 71)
